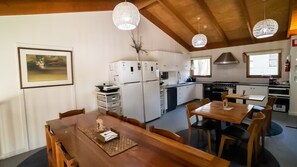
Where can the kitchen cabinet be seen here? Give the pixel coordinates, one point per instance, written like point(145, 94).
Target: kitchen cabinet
point(185, 94)
point(199, 91)
point(170, 61)
point(253, 90)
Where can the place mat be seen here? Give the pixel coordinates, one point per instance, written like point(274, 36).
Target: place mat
point(112, 147)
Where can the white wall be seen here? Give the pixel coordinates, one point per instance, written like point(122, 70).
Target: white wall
point(95, 42)
point(237, 72)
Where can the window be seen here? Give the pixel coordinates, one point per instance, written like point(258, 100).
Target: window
point(201, 67)
point(264, 64)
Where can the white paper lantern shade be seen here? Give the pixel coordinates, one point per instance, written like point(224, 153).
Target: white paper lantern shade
point(265, 28)
point(199, 40)
point(125, 16)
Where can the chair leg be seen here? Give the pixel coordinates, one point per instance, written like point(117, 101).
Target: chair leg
point(223, 138)
point(249, 154)
point(209, 141)
point(189, 136)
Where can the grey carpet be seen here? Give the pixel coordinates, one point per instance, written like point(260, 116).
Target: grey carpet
point(38, 159)
point(275, 129)
point(235, 153)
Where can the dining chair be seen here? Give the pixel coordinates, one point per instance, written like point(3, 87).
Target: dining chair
point(135, 122)
point(63, 158)
point(50, 146)
point(223, 95)
point(167, 134)
point(271, 101)
point(71, 113)
point(204, 124)
point(114, 114)
point(249, 136)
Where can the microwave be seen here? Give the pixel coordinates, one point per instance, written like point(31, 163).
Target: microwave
point(164, 75)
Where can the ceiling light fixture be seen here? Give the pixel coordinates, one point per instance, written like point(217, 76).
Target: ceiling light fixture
point(199, 40)
point(265, 28)
point(125, 16)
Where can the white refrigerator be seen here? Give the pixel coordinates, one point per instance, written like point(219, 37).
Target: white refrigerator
point(141, 103)
point(293, 76)
point(151, 89)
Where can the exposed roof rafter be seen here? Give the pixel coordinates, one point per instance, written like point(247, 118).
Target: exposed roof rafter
point(163, 27)
point(247, 19)
point(141, 4)
point(169, 7)
point(207, 11)
point(292, 23)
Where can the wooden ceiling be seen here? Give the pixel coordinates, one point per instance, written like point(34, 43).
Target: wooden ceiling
point(229, 22)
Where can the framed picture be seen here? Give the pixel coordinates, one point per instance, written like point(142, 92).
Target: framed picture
point(44, 67)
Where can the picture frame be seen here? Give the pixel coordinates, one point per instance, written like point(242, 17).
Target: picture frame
point(44, 67)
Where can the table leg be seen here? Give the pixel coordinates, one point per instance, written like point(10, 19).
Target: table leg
point(218, 135)
point(243, 101)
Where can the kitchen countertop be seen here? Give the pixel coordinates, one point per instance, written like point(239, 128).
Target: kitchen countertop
point(208, 82)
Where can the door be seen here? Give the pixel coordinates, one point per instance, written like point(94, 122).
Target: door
point(129, 71)
point(149, 70)
point(132, 103)
point(151, 100)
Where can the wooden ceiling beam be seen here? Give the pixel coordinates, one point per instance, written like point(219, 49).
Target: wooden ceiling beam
point(247, 18)
point(171, 9)
point(217, 26)
point(24, 7)
point(141, 4)
point(163, 27)
point(292, 23)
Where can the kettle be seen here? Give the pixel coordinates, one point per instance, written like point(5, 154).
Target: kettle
point(191, 79)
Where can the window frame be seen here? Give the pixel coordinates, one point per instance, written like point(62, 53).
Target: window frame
point(279, 75)
point(197, 58)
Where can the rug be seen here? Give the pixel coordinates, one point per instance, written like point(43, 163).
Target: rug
point(275, 129)
point(39, 159)
point(235, 152)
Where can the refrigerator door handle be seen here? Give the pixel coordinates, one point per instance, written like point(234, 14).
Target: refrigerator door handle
point(150, 80)
point(126, 83)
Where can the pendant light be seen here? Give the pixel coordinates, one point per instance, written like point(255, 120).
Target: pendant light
point(199, 40)
point(125, 16)
point(265, 28)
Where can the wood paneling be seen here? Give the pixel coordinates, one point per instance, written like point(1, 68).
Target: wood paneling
point(229, 22)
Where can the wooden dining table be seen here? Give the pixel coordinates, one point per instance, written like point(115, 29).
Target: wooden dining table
point(233, 113)
point(244, 98)
point(151, 149)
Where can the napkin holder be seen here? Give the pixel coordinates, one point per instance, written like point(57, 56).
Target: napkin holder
point(103, 139)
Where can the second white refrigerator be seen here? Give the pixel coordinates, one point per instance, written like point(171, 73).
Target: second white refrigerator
point(140, 103)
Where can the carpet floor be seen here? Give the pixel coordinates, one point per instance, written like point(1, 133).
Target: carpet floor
point(275, 129)
point(38, 159)
point(235, 152)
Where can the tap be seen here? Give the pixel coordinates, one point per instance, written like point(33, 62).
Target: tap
point(178, 77)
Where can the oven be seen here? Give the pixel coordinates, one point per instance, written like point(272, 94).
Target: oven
point(282, 93)
point(222, 86)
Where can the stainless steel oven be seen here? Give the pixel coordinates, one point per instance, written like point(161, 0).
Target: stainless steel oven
point(282, 92)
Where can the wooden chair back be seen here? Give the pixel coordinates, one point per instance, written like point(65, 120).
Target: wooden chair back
point(223, 95)
point(271, 101)
point(190, 107)
point(167, 134)
point(204, 101)
point(63, 158)
point(135, 122)
point(114, 114)
point(267, 112)
point(71, 113)
point(50, 146)
point(256, 126)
